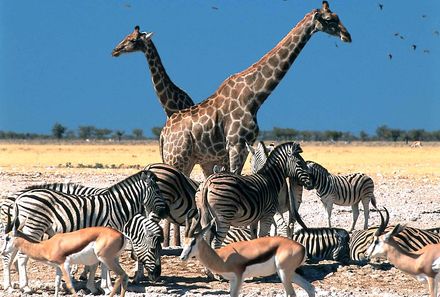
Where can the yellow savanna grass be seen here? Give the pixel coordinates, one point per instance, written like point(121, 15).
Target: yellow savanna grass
point(384, 159)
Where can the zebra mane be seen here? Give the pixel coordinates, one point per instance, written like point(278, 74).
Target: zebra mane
point(317, 166)
point(274, 157)
point(55, 186)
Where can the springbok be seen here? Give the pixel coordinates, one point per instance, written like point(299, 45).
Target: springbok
point(423, 264)
point(239, 260)
point(85, 246)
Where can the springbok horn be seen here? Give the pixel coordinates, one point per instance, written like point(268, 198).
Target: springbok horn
point(195, 225)
point(8, 224)
point(382, 225)
point(387, 217)
point(188, 218)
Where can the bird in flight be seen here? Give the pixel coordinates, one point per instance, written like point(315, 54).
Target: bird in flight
point(414, 46)
point(390, 56)
point(380, 6)
point(214, 7)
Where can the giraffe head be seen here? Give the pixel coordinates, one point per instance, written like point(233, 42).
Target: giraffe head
point(328, 22)
point(134, 42)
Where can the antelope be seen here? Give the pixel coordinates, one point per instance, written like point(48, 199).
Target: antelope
point(85, 246)
point(423, 264)
point(239, 260)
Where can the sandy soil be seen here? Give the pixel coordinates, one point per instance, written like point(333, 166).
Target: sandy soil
point(410, 200)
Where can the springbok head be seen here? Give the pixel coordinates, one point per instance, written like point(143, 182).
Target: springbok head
point(193, 234)
point(133, 42)
point(380, 239)
point(328, 22)
point(11, 231)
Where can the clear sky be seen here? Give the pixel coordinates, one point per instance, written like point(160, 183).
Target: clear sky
point(56, 63)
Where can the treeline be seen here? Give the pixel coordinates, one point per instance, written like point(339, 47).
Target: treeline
point(83, 133)
point(383, 133)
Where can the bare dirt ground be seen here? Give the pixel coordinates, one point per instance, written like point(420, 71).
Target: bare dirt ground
point(410, 199)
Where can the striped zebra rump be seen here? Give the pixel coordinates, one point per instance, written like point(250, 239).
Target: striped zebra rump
point(237, 234)
point(177, 190)
point(324, 243)
point(410, 239)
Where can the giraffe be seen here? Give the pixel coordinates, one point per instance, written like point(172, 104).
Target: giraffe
point(215, 131)
point(171, 97)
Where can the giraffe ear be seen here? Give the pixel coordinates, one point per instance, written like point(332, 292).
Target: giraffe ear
point(136, 29)
point(147, 35)
point(316, 14)
point(325, 6)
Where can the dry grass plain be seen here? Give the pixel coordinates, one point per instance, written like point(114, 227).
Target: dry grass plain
point(407, 182)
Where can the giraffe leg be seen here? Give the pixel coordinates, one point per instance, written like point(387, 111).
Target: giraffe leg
point(176, 229)
point(237, 156)
point(166, 233)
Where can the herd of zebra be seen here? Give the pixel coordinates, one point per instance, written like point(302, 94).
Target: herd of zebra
point(242, 206)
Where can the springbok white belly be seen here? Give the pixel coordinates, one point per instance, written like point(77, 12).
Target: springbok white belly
point(85, 256)
point(436, 265)
point(261, 269)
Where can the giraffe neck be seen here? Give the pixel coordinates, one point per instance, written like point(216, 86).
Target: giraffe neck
point(261, 78)
point(170, 96)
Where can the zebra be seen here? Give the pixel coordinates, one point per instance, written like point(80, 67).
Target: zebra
point(246, 200)
point(343, 190)
point(178, 191)
point(324, 243)
point(48, 211)
point(410, 239)
point(290, 193)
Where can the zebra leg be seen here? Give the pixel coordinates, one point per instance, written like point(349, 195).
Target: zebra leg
point(222, 230)
point(355, 208)
point(328, 204)
point(166, 233)
point(280, 224)
point(253, 229)
point(8, 259)
point(22, 262)
point(265, 223)
point(366, 204)
point(139, 275)
point(91, 280)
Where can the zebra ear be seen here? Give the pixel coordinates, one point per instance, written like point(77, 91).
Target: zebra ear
point(148, 176)
point(250, 148)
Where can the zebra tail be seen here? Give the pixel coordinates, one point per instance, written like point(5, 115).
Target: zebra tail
point(208, 212)
point(373, 202)
point(298, 218)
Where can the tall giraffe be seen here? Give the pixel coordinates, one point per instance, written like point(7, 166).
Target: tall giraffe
point(216, 130)
point(170, 96)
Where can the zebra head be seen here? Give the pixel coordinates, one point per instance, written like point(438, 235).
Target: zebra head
point(146, 236)
point(259, 156)
point(296, 166)
point(153, 200)
point(379, 247)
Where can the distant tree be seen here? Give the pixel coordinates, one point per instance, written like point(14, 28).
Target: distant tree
point(417, 134)
point(102, 133)
point(58, 130)
point(383, 132)
point(119, 134)
point(70, 134)
point(284, 133)
point(363, 136)
point(138, 133)
point(395, 134)
point(333, 135)
point(86, 132)
point(156, 131)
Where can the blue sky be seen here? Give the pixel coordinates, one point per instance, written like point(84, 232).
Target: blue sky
point(56, 63)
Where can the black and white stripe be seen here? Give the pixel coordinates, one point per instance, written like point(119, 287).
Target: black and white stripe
point(246, 200)
point(146, 236)
point(410, 239)
point(290, 192)
point(49, 212)
point(344, 190)
point(324, 243)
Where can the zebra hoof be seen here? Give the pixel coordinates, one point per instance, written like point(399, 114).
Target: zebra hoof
point(26, 290)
